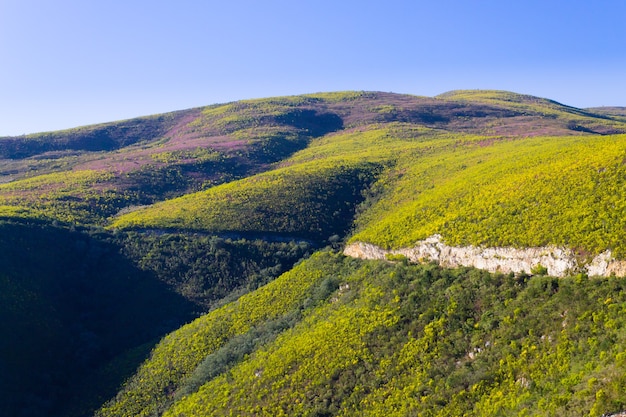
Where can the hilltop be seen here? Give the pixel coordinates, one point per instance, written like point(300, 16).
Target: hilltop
point(86, 175)
point(233, 218)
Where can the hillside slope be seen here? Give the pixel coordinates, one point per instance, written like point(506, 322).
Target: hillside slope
point(409, 184)
point(116, 234)
point(336, 336)
point(100, 170)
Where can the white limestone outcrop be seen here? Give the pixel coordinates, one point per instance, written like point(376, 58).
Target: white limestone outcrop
point(559, 262)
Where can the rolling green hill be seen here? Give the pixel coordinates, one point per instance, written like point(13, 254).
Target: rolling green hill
point(311, 201)
point(534, 192)
point(232, 218)
point(98, 171)
point(486, 191)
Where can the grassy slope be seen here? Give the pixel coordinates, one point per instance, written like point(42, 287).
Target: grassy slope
point(86, 175)
point(577, 120)
point(477, 190)
point(102, 137)
point(179, 354)
point(311, 201)
point(532, 192)
point(372, 338)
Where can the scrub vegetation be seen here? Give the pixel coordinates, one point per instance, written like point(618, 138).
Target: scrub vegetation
point(336, 336)
point(190, 264)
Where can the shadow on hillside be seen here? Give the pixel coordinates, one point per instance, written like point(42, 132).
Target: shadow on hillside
point(101, 137)
point(308, 123)
point(77, 319)
point(313, 122)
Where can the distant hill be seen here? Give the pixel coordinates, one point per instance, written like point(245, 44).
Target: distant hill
point(615, 112)
point(233, 218)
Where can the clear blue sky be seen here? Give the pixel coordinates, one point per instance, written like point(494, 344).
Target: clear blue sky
point(66, 63)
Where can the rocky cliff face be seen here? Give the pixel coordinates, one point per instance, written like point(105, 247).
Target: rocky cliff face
point(559, 262)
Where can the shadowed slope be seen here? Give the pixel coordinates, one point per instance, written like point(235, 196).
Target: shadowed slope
point(70, 307)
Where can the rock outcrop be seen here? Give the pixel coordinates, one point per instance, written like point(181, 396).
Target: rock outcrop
point(558, 262)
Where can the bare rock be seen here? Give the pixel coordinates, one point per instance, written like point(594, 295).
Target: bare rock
point(558, 261)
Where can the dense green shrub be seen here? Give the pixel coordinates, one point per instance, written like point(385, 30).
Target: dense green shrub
point(396, 339)
point(204, 269)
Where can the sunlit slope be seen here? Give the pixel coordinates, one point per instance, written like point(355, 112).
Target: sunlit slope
point(617, 113)
point(314, 194)
point(86, 175)
point(334, 336)
point(545, 114)
point(532, 192)
point(176, 364)
point(310, 200)
point(491, 191)
point(76, 197)
point(338, 336)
